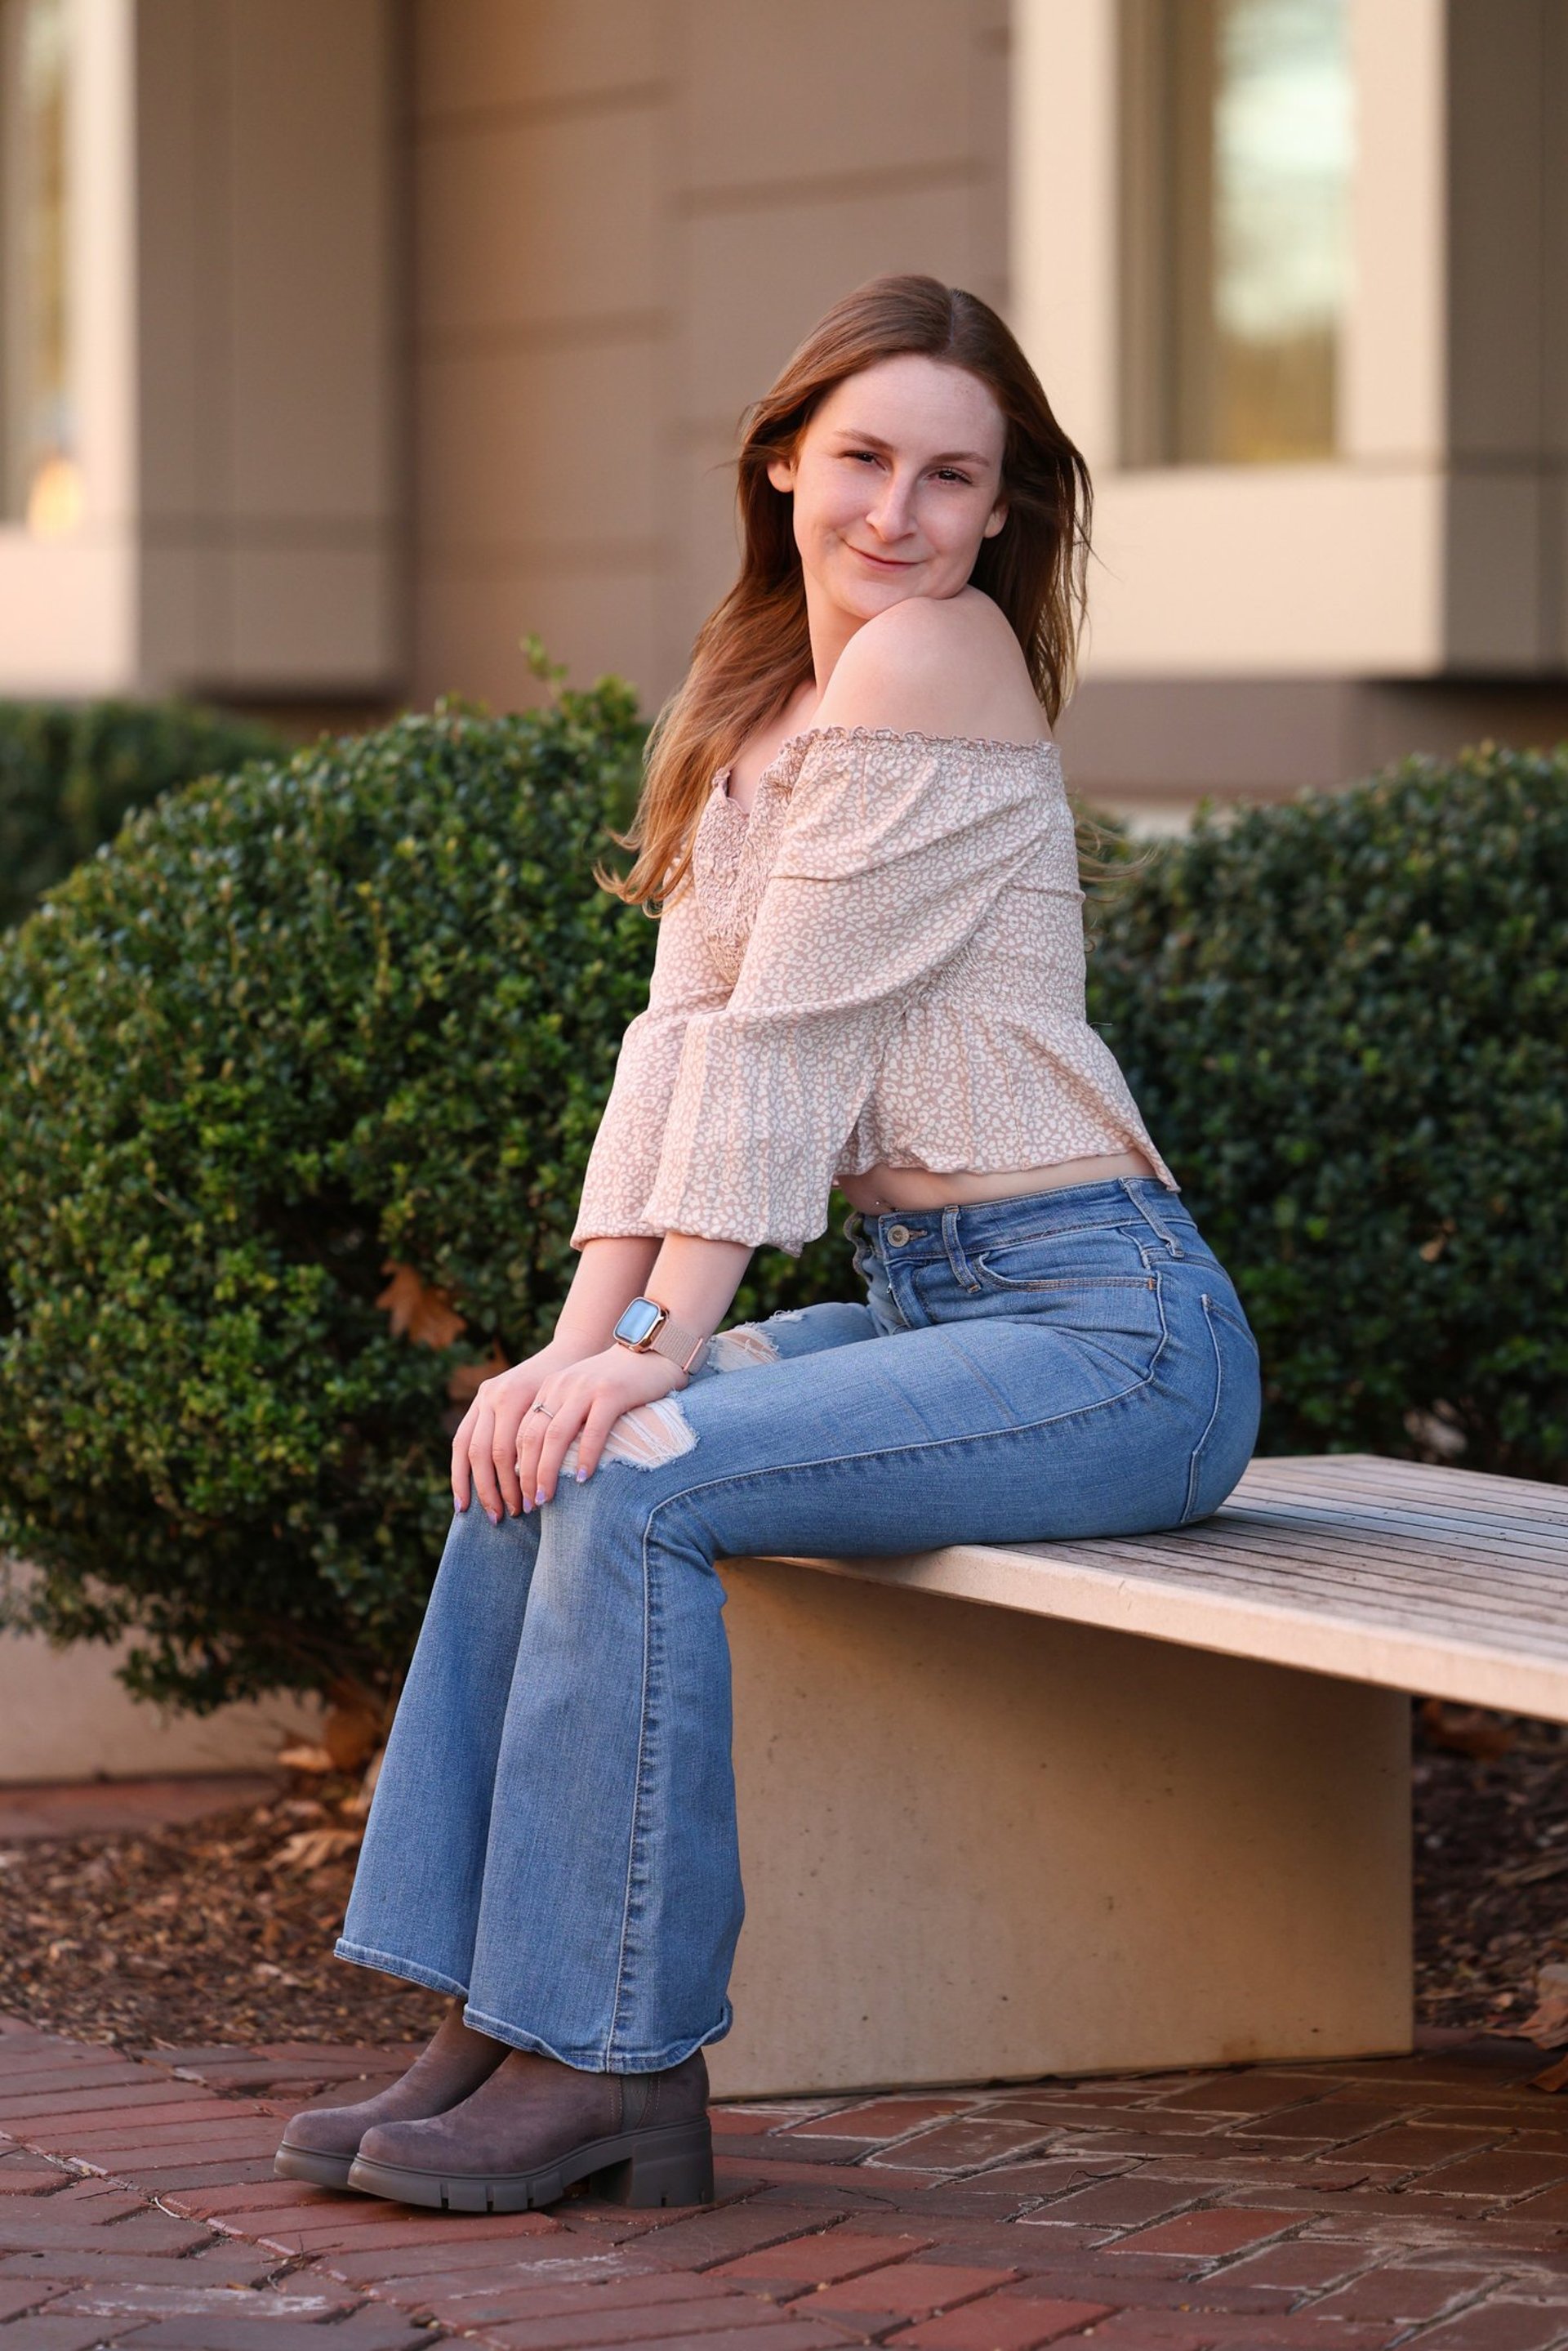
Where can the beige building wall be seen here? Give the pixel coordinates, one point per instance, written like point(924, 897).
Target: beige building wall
point(235, 280)
point(1255, 628)
point(625, 215)
point(64, 1715)
point(408, 327)
point(268, 415)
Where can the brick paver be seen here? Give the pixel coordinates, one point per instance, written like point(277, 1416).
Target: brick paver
point(996, 2325)
point(1361, 2207)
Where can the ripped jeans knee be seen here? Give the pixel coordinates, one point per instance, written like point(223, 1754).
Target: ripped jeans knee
point(647, 1435)
point(650, 1435)
point(736, 1350)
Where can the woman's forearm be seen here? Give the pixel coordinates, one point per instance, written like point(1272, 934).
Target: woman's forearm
point(611, 1271)
point(696, 1278)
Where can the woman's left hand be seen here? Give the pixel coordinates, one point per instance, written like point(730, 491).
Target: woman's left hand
point(585, 1400)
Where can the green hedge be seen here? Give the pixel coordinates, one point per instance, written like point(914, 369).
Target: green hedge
point(360, 1011)
point(1346, 1021)
point(355, 1011)
point(71, 773)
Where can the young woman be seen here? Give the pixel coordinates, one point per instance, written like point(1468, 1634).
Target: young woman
point(869, 970)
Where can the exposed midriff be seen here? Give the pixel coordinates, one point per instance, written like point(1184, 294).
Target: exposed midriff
point(884, 1187)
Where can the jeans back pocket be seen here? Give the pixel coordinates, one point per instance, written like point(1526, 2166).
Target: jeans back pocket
point(1225, 1446)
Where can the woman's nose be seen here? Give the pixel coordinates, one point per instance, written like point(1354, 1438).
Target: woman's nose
point(889, 514)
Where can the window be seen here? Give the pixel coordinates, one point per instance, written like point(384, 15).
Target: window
point(40, 483)
point(1238, 135)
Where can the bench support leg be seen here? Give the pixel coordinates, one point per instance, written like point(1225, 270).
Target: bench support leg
point(982, 1846)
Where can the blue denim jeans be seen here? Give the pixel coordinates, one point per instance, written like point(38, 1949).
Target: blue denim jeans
point(553, 1837)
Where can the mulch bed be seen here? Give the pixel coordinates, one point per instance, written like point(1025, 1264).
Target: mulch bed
point(211, 1931)
point(219, 1930)
point(1492, 1865)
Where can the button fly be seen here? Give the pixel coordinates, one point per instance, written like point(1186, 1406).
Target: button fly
point(898, 1234)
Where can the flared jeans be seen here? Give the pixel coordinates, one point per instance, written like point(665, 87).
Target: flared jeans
point(553, 1837)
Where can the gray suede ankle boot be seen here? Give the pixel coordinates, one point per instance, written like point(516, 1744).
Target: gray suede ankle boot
point(535, 2127)
point(321, 2142)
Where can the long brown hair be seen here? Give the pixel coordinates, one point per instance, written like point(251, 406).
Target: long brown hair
point(753, 651)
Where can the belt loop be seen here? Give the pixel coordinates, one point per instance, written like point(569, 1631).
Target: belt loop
point(1150, 1219)
point(963, 1269)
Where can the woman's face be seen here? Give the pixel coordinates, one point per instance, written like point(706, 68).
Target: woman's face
point(896, 479)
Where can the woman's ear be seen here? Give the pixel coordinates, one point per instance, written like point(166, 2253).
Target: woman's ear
point(781, 473)
point(995, 519)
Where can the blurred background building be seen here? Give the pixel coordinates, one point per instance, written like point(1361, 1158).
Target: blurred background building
point(341, 346)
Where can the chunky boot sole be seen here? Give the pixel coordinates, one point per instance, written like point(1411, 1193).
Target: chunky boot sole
point(641, 2167)
point(310, 2163)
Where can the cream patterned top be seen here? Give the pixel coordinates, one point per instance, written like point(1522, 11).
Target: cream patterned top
point(882, 960)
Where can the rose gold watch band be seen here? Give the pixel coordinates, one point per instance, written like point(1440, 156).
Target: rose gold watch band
point(673, 1339)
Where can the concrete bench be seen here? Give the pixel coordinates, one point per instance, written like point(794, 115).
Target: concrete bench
point(1124, 1804)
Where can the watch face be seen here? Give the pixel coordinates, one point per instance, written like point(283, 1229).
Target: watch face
point(640, 1321)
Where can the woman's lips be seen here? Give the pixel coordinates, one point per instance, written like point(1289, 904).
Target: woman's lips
point(884, 562)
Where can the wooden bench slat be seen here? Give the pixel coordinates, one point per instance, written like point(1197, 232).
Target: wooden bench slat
point(1536, 1540)
point(1325, 1535)
point(1525, 1631)
point(1427, 1484)
point(1468, 1488)
point(1538, 1570)
point(1241, 1555)
point(1508, 1523)
point(1411, 1602)
point(1408, 1575)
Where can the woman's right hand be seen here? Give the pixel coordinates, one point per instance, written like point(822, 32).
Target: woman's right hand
point(484, 1450)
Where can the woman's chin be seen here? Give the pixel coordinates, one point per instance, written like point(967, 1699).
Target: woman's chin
point(867, 595)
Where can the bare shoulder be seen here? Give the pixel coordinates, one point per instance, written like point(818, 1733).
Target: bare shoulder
point(936, 665)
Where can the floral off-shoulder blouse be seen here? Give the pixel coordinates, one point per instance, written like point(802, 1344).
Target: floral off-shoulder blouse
point(882, 960)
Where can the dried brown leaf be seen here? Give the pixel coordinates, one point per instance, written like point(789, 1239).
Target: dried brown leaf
point(417, 1310)
point(358, 1804)
point(468, 1378)
point(1466, 1730)
point(313, 1848)
point(351, 1734)
point(1547, 2025)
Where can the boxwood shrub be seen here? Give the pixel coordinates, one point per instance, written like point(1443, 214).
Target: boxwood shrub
point(321, 1020)
point(1347, 1020)
point(300, 1077)
point(69, 773)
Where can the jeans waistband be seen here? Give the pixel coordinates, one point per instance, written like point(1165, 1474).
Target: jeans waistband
point(961, 1229)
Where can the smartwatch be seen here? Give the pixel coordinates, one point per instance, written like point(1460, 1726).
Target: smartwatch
point(647, 1329)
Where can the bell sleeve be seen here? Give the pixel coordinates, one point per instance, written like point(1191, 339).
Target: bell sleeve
point(894, 848)
point(624, 1160)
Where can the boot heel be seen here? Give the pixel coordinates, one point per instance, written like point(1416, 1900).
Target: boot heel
point(675, 2168)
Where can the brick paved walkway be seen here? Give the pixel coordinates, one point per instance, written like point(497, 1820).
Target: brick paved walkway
point(1420, 2201)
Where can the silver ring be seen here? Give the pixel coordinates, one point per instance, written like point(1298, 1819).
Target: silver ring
point(543, 1408)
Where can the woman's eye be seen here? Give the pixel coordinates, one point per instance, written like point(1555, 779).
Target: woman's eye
point(951, 474)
